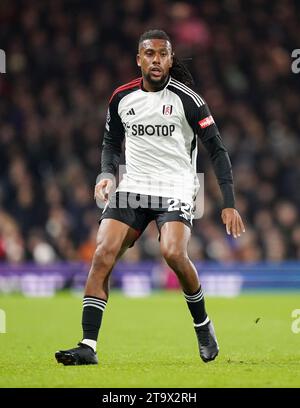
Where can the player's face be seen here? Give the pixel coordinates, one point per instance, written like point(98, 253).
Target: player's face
point(155, 58)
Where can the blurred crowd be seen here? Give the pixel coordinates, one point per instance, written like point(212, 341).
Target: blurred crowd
point(65, 58)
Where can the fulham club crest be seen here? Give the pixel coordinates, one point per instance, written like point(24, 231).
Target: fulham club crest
point(167, 110)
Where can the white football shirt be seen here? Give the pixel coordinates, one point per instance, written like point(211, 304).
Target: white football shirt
point(160, 130)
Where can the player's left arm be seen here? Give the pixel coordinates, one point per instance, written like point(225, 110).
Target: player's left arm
point(210, 137)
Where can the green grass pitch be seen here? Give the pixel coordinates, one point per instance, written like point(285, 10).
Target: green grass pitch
point(150, 342)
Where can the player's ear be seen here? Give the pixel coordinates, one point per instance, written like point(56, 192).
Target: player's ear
point(172, 59)
point(138, 60)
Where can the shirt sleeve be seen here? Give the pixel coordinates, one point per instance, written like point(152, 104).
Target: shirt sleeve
point(205, 127)
point(203, 122)
point(113, 138)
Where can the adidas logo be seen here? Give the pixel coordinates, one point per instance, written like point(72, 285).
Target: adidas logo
point(131, 112)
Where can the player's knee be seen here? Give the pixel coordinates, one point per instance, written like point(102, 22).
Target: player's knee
point(105, 255)
point(174, 255)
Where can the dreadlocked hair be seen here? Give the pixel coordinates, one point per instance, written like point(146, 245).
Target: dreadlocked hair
point(178, 71)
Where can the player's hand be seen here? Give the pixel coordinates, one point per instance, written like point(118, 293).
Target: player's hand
point(102, 189)
point(233, 221)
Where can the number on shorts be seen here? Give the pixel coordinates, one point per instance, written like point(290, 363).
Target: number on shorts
point(173, 204)
point(186, 209)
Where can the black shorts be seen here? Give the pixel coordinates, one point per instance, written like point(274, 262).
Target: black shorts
point(138, 210)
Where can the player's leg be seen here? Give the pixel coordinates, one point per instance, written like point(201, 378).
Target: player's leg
point(113, 238)
point(174, 238)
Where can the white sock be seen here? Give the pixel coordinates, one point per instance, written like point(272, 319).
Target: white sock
point(91, 343)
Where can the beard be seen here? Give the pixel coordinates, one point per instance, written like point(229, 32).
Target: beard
point(156, 83)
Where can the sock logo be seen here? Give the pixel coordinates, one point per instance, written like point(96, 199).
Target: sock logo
point(131, 112)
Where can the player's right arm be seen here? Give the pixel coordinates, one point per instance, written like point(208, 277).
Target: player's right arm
point(111, 150)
